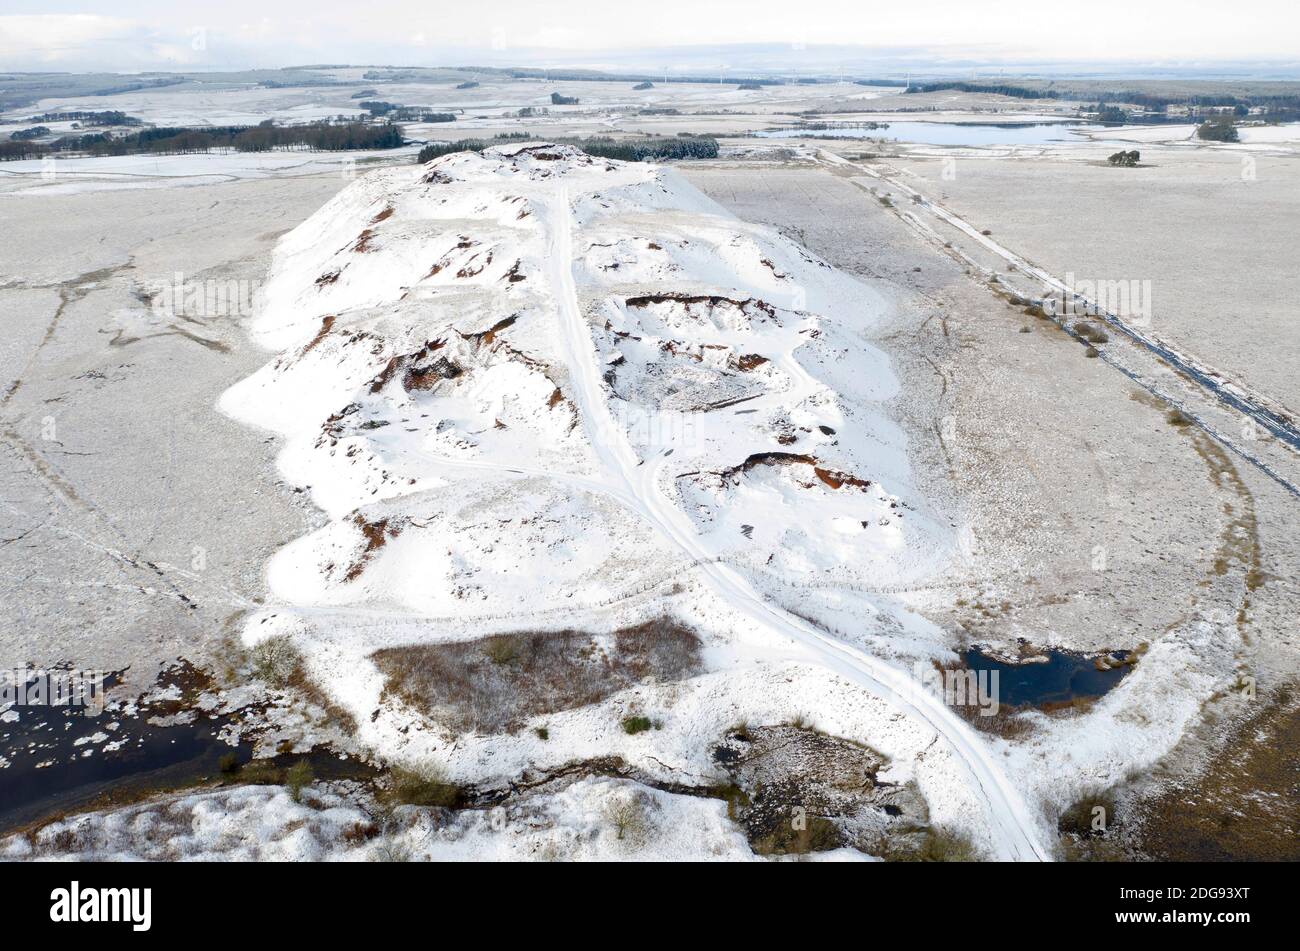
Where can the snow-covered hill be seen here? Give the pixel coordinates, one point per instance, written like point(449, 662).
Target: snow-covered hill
point(536, 390)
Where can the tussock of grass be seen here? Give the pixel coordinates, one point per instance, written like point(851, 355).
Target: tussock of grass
point(501, 682)
point(298, 777)
point(636, 724)
point(424, 787)
point(1079, 819)
point(1090, 332)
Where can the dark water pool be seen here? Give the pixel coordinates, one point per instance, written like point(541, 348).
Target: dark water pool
point(1063, 677)
point(59, 759)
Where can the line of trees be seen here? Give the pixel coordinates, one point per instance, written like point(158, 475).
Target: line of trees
point(398, 113)
point(109, 117)
point(318, 136)
point(1278, 108)
point(630, 150)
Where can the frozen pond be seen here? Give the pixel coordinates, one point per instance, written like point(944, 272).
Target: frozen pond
point(946, 133)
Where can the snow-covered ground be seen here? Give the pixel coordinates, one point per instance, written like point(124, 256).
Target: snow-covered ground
point(67, 176)
point(593, 819)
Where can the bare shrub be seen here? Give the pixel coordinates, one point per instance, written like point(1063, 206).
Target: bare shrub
point(498, 683)
point(391, 850)
point(627, 812)
point(275, 660)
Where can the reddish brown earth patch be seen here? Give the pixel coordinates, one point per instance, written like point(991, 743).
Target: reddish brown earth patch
point(326, 324)
point(833, 478)
point(376, 535)
point(427, 377)
point(483, 338)
point(713, 300)
point(396, 363)
point(836, 479)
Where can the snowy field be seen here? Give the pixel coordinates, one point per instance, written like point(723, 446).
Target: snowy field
point(508, 415)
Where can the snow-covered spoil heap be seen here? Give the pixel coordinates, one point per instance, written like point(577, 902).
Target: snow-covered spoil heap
point(536, 390)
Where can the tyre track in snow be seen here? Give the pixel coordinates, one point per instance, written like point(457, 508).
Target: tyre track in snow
point(636, 485)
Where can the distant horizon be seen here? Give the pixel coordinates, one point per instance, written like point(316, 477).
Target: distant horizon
point(936, 36)
point(745, 60)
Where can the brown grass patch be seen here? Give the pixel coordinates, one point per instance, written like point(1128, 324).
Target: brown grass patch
point(1243, 808)
point(498, 683)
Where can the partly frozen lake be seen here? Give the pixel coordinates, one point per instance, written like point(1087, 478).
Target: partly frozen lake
point(946, 133)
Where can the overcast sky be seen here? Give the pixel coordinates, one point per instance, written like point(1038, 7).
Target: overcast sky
point(162, 34)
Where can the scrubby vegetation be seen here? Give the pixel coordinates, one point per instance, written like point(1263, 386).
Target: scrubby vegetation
point(1123, 159)
point(799, 837)
point(559, 100)
point(275, 661)
point(501, 682)
point(425, 786)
